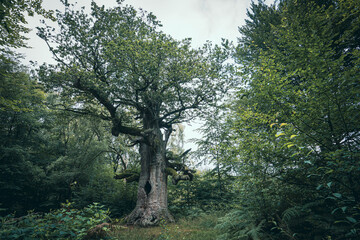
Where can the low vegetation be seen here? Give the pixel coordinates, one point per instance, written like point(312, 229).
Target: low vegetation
point(63, 223)
point(93, 222)
point(201, 227)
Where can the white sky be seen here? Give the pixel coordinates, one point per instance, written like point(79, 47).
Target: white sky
point(200, 20)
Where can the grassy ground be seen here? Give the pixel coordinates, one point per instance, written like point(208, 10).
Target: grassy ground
point(199, 228)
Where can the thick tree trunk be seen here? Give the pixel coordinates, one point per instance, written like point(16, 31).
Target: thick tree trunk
point(152, 206)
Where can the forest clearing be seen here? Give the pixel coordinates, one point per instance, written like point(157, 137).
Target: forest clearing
point(93, 145)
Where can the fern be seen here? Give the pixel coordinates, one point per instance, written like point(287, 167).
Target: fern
point(255, 231)
point(239, 225)
point(300, 211)
point(297, 220)
point(291, 213)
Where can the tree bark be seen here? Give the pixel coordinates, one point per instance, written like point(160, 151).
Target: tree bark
point(152, 205)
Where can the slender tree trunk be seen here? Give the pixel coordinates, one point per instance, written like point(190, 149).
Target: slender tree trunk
point(152, 206)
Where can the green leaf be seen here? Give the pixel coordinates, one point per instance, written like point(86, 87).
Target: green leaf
point(297, 153)
point(279, 134)
point(352, 220)
point(333, 211)
point(338, 195)
point(309, 152)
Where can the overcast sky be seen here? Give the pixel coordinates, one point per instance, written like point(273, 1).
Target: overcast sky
point(200, 20)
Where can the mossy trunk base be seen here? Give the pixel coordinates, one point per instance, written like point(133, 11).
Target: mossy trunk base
point(149, 216)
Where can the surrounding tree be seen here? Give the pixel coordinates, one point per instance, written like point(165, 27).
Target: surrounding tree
point(115, 64)
point(295, 123)
point(48, 156)
point(12, 20)
point(22, 110)
point(81, 169)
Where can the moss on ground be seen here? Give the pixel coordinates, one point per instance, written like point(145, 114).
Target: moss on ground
point(200, 228)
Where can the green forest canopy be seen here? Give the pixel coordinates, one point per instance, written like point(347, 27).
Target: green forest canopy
point(285, 145)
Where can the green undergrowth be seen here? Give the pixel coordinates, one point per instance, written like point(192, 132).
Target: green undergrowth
point(92, 221)
point(199, 228)
point(64, 223)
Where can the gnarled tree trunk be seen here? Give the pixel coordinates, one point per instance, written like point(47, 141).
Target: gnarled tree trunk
point(152, 206)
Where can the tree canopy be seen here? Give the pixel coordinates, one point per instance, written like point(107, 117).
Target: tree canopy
point(120, 60)
point(12, 20)
point(117, 65)
point(295, 121)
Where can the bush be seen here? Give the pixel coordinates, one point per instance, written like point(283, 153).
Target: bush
point(118, 196)
point(205, 194)
point(63, 223)
point(239, 225)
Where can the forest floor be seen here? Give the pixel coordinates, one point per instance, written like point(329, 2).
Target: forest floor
point(199, 228)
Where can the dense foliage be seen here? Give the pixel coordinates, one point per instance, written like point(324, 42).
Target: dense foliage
point(117, 65)
point(21, 138)
point(295, 122)
point(282, 146)
point(63, 223)
point(13, 20)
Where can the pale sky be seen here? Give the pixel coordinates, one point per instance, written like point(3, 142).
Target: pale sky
point(200, 20)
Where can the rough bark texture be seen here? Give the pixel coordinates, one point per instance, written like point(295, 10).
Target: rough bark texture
point(152, 206)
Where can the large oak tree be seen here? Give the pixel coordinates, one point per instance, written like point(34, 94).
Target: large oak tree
point(116, 64)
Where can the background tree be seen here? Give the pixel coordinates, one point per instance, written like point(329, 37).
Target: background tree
point(48, 156)
point(295, 121)
point(81, 167)
point(21, 109)
point(12, 20)
point(214, 151)
point(143, 81)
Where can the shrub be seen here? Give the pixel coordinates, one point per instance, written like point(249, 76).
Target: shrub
point(63, 223)
point(118, 196)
